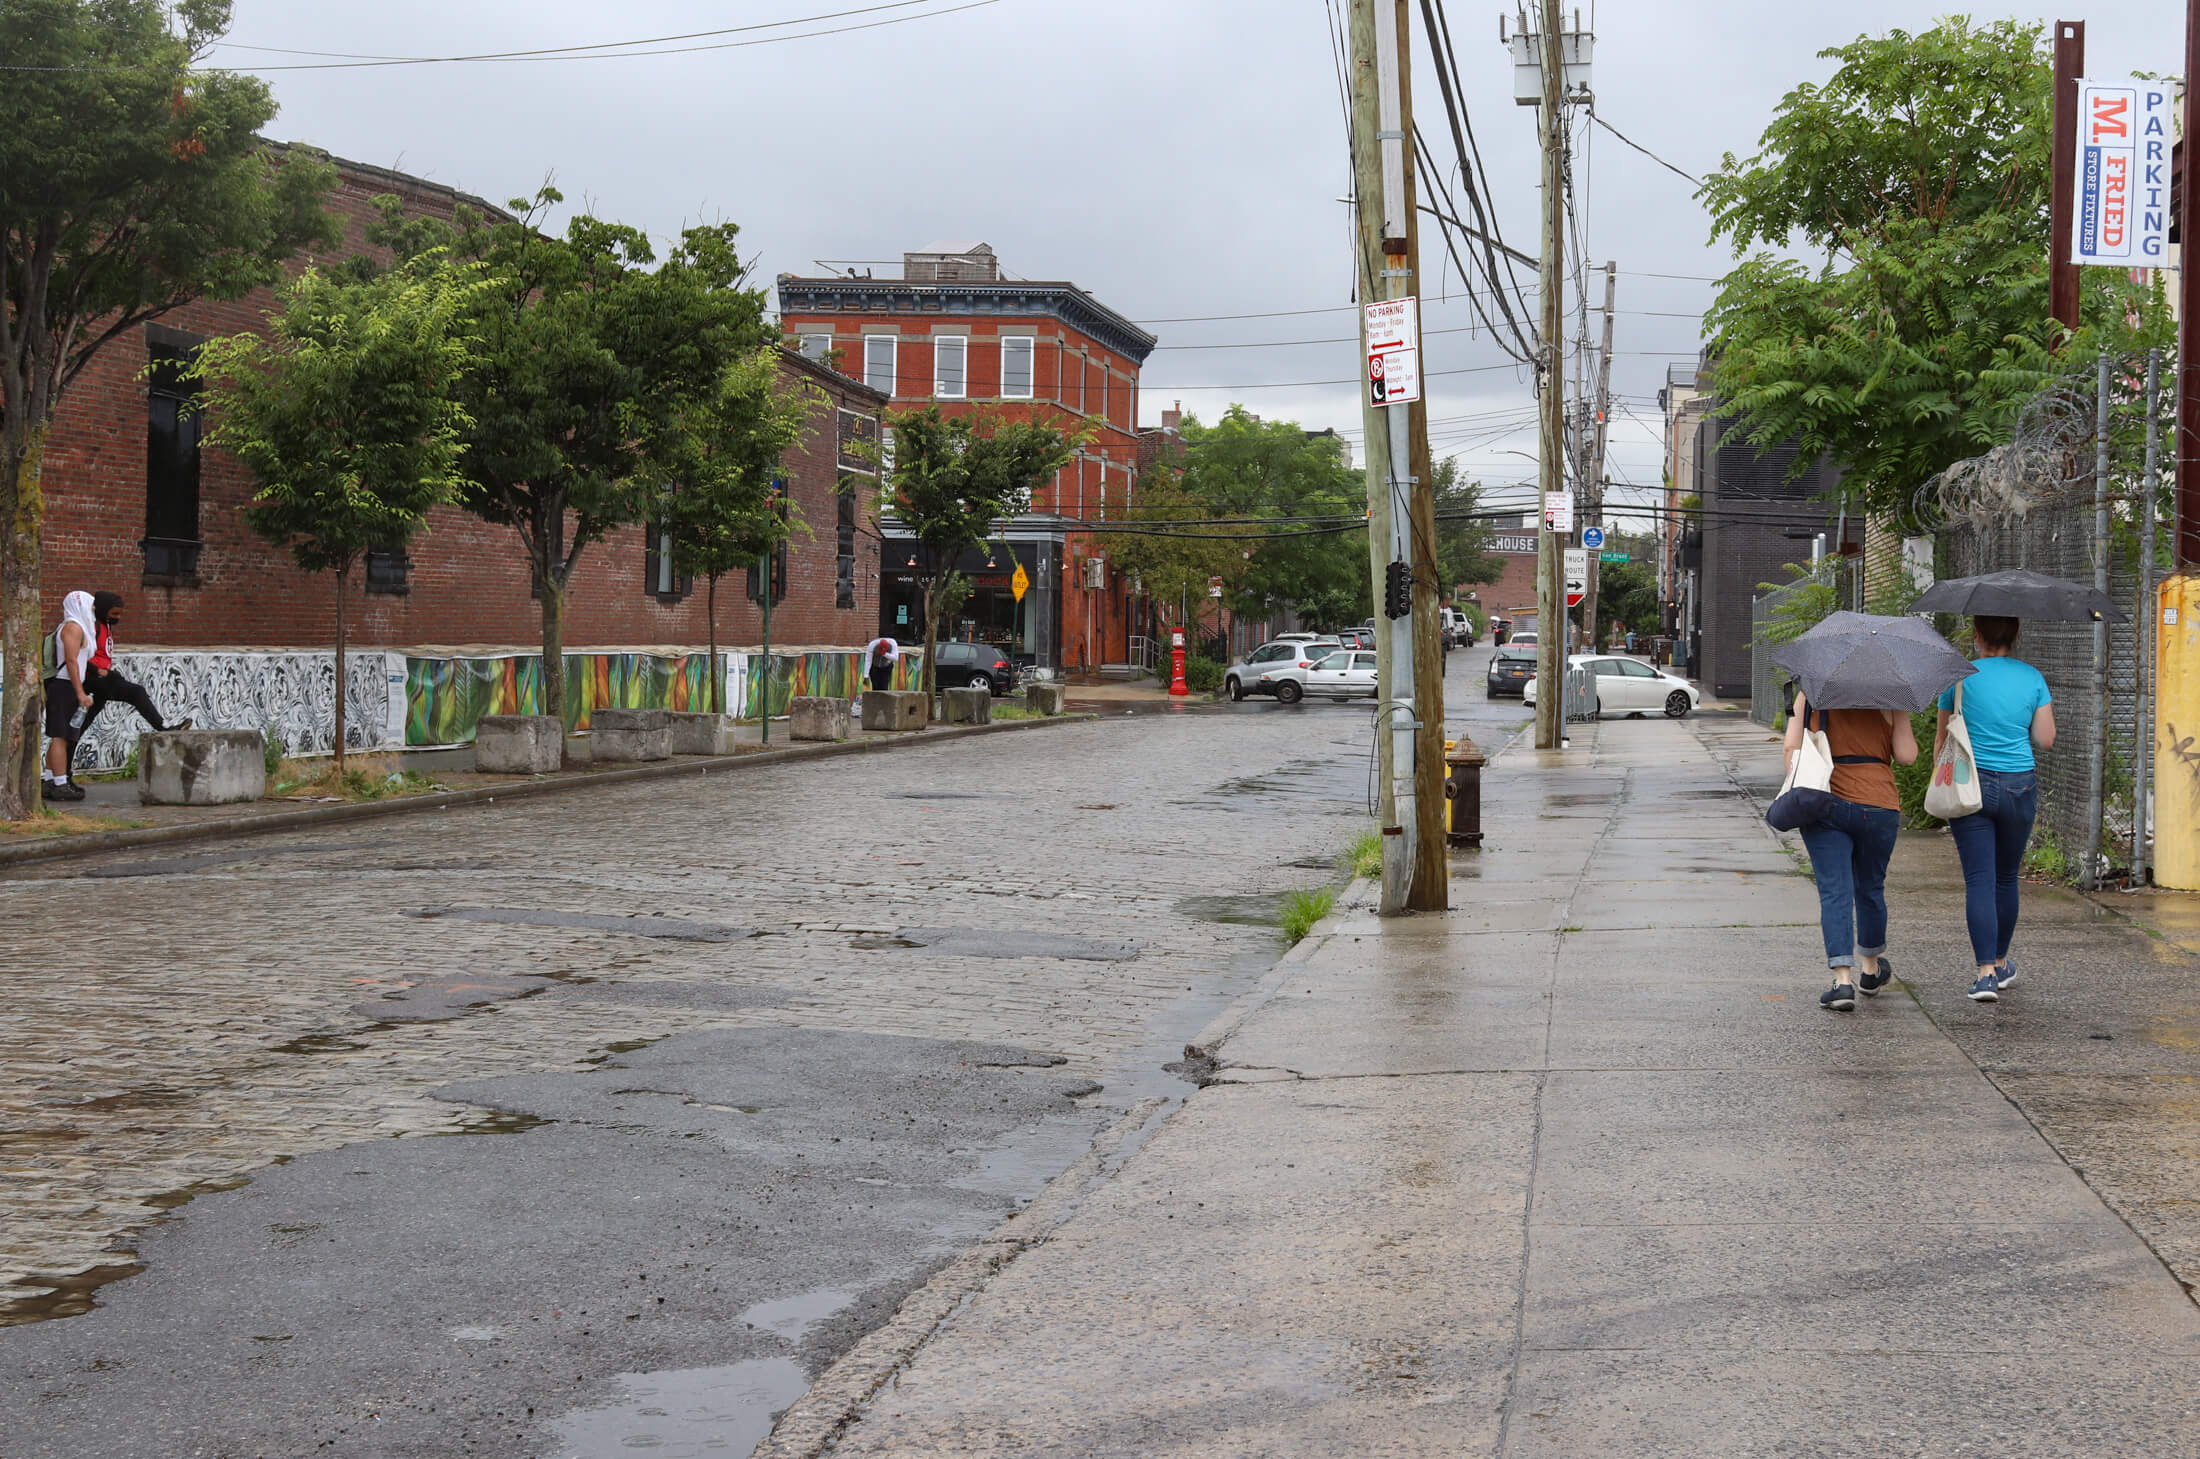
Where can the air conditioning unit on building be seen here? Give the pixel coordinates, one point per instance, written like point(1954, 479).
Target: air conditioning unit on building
point(1096, 572)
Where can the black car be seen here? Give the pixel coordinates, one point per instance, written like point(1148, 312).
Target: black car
point(963, 665)
point(1511, 667)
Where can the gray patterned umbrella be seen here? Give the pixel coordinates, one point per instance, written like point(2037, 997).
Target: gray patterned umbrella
point(1865, 661)
point(2015, 593)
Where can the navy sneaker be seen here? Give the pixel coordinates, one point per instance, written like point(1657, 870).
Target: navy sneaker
point(1841, 997)
point(1870, 983)
point(2006, 973)
point(1987, 989)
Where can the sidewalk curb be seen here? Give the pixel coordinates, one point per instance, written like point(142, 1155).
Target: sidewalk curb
point(1207, 1043)
point(63, 847)
point(837, 1398)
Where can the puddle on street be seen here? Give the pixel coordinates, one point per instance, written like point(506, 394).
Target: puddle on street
point(990, 942)
point(685, 1412)
point(1238, 911)
point(675, 928)
point(793, 1317)
point(935, 795)
point(152, 1098)
point(71, 1295)
point(319, 1043)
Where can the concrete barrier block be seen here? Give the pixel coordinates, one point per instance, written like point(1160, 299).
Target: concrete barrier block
point(1046, 698)
point(519, 744)
point(701, 734)
point(968, 706)
point(894, 709)
point(202, 767)
point(811, 717)
point(621, 735)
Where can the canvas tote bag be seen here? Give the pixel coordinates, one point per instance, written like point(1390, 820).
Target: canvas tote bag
point(1954, 789)
point(1807, 793)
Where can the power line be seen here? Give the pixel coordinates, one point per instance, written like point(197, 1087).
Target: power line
point(602, 52)
point(1685, 176)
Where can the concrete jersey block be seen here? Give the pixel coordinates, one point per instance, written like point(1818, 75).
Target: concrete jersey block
point(968, 706)
point(894, 709)
point(811, 717)
point(1046, 698)
point(519, 744)
point(701, 734)
point(202, 767)
point(630, 734)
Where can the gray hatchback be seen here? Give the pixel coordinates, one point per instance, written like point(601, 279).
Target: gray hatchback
point(1243, 677)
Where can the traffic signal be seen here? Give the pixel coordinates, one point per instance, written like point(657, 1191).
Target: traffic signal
point(1397, 590)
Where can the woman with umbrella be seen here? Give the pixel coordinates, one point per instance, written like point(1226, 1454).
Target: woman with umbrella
point(1861, 675)
point(2009, 712)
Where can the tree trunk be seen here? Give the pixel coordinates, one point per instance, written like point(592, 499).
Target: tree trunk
point(343, 582)
point(710, 619)
point(20, 623)
point(553, 645)
point(931, 638)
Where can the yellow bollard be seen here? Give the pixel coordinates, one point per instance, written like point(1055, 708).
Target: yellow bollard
point(2177, 733)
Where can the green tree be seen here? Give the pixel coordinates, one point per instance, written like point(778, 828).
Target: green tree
point(1303, 549)
point(1918, 173)
point(346, 417)
point(1628, 592)
point(591, 354)
point(954, 478)
point(131, 183)
point(1171, 539)
point(719, 498)
point(1463, 535)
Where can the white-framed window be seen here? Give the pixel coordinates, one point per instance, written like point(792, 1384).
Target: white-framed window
point(879, 361)
point(817, 347)
point(950, 357)
point(1018, 356)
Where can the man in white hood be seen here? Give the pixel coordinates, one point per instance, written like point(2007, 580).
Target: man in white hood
point(68, 703)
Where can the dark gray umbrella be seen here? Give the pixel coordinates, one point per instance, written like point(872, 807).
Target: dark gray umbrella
point(1864, 661)
point(2015, 593)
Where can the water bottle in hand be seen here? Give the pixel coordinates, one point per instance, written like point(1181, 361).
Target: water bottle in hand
point(83, 713)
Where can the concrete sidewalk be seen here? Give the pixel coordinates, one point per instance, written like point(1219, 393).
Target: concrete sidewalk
point(1580, 1168)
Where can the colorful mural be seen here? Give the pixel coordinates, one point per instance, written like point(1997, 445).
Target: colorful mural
point(445, 698)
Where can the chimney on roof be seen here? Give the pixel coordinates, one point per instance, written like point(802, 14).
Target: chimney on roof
point(1173, 417)
point(951, 263)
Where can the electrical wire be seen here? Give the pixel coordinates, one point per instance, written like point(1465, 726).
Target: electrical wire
point(1685, 176)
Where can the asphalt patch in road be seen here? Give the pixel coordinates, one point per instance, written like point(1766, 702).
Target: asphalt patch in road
point(683, 1212)
point(989, 942)
point(438, 999)
point(676, 928)
point(704, 997)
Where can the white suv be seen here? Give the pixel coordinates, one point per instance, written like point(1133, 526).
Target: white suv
point(1278, 667)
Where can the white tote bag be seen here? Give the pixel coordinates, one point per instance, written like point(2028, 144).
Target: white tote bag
point(1954, 789)
point(1813, 767)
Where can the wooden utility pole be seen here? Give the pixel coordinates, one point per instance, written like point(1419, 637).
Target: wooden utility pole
point(1593, 487)
point(1550, 595)
point(1431, 888)
point(2062, 274)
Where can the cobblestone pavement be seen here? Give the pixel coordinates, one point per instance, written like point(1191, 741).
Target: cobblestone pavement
point(175, 1020)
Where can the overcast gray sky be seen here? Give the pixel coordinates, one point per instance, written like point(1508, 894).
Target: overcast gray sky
point(1175, 157)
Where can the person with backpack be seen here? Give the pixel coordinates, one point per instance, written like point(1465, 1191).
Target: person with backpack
point(2008, 712)
point(105, 681)
point(66, 654)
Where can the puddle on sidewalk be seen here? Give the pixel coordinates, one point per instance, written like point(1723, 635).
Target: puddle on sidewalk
point(793, 1317)
point(685, 1412)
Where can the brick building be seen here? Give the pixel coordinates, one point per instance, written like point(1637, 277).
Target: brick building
point(134, 503)
point(953, 331)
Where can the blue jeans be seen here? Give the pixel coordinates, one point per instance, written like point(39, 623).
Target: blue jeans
point(1848, 856)
point(1991, 845)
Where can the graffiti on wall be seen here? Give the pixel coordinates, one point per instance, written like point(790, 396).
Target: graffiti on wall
point(287, 696)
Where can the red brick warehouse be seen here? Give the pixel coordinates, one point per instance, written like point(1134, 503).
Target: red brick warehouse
point(954, 332)
point(135, 503)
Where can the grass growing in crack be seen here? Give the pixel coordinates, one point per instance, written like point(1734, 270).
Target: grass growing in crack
point(1364, 857)
point(1302, 909)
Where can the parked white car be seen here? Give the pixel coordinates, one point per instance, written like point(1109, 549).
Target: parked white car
point(1250, 674)
point(1631, 686)
point(1341, 676)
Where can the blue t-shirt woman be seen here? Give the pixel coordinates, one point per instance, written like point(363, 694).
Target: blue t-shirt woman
point(2009, 712)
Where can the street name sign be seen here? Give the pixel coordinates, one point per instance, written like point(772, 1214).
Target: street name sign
point(1577, 575)
point(1592, 537)
point(1393, 351)
point(1558, 512)
point(1614, 557)
point(2122, 215)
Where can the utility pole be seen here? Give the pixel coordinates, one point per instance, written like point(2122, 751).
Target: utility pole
point(2062, 274)
point(1431, 888)
point(1379, 163)
point(1593, 486)
point(1550, 596)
